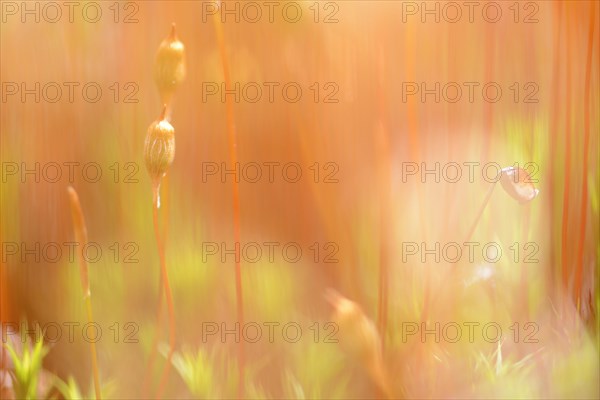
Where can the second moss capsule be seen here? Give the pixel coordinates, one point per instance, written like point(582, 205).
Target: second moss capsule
point(169, 68)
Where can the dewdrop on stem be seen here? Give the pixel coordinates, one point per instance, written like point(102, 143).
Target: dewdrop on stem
point(159, 151)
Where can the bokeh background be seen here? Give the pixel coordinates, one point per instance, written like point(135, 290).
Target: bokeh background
point(369, 134)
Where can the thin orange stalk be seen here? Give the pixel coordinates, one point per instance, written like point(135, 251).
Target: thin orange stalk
point(567, 167)
point(413, 136)
point(81, 238)
point(430, 304)
point(488, 109)
point(169, 73)
point(331, 229)
point(383, 154)
point(413, 117)
point(554, 121)
point(94, 355)
point(164, 202)
point(4, 308)
point(167, 292)
point(159, 152)
point(415, 154)
point(524, 273)
point(584, 167)
point(480, 212)
point(382, 305)
point(154, 347)
point(236, 194)
point(451, 118)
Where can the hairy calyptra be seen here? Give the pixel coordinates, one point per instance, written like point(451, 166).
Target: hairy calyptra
point(169, 68)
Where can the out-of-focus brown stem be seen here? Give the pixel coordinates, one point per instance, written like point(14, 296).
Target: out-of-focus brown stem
point(524, 289)
point(584, 166)
point(236, 194)
point(383, 153)
point(3, 317)
point(554, 121)
point(566, 169)
point(480, 212)
point(488, 108)
point(154, 347)
point(164, 202)
point(414, 143)
point(81, 239)
point(90, 316)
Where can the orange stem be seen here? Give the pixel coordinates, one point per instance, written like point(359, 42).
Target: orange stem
point(488, 109)
point(81, 237)
point(554, 121)
point(154, 347)
point(88, 302)
point(524, 273)
point(584, 167)
point(414, 143)
point(567, 169)
point(231, 134)
point(430, 304)
point(167, 291)
point(4, 308)
point(383, 153)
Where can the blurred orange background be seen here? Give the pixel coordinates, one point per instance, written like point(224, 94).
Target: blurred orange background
point(369, 134)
